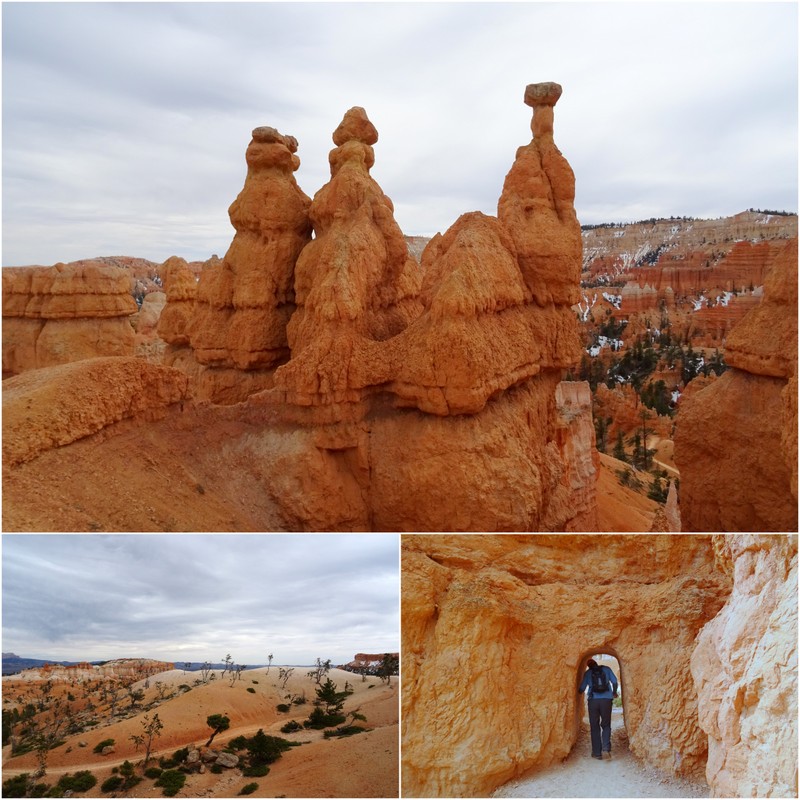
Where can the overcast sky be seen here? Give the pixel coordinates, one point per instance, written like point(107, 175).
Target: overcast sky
point(195, 597)
point(125, 125)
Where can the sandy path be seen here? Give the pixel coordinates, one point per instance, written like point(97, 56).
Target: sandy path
point(622, 775)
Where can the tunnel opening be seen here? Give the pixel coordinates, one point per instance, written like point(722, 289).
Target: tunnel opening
point(604, 656)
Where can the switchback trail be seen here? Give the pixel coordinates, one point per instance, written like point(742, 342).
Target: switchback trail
point(622, 775)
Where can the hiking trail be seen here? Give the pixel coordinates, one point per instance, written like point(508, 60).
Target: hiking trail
point(622, 775)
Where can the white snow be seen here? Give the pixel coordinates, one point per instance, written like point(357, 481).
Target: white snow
point(614, 299)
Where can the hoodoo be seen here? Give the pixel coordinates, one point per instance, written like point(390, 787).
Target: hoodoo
point(235, 334)
point(431, 403)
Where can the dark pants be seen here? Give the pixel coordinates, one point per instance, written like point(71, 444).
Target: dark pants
point(600, 717)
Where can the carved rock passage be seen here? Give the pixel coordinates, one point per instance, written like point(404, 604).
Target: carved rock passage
point(736, 439)
point(496, 629)
point(745, 670)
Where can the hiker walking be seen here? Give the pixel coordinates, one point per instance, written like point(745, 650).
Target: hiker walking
point(602, 685)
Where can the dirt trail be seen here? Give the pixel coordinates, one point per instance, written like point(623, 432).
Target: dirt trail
point(622, 775)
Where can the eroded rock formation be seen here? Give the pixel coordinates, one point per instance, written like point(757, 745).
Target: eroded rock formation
point(735, 439)
point(135, 668)
point(54, 315)
point(745, 671)
point(496, 630)
point(431, 403)
point(232, 333)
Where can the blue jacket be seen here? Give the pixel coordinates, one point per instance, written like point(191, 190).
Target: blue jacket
point(586, 683)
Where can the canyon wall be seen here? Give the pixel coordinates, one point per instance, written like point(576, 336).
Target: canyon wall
point(497, 628)
point(745, 671)
point(55, 315)
point(736, 438)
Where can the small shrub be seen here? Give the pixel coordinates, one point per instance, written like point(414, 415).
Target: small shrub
point(79, 782)
point(282, 707)
point(153, 772)
point(217, 769)
point(98, 748)
point(238, 743)
point(111, 784)
point(114, 770)
point(171, 782)
point(299, 701)
point(16, 787)
point(253, 681)
point(249, 789)
point(251, 690)
point(291, 727)
point(45, 790)
point(257, 771)
point(347, 730)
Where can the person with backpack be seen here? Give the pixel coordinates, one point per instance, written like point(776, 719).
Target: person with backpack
point(601, 683)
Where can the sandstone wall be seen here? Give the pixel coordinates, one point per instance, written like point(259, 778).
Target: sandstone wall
point(496, 628)
point(54, 315)
point(745, 671)
point(735, 439)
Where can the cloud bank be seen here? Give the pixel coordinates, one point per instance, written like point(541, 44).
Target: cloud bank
point(196, 597)
point(125, 125)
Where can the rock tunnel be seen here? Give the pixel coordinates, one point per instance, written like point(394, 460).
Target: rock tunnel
point(497, 629)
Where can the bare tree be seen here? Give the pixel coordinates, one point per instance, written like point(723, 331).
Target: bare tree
point(151, 729)
point(321, 669)
point(228, 663)
point(284, 675)
point(269, 662)
point(205, 670)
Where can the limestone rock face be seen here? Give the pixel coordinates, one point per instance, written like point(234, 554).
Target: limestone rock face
point(735, 439)
point(496, 635)
point(232, 334)
point(54, 315)
point(745, 671)
point(51, 407)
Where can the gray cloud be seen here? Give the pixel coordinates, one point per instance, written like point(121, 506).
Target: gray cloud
point(125, 125)
point(195, 597)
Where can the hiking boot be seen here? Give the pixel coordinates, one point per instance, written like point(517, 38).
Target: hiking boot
point(600, 756)
point(608, 753)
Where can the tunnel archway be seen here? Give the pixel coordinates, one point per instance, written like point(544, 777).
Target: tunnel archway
point(603, 655)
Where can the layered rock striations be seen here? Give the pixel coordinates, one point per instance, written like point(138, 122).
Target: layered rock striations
point(232, 334)
point(736, 438)
point(54, 315)
point(745, 671)
point(496, 634)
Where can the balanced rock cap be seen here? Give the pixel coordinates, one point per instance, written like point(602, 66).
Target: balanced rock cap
point(268, 135)
point(542, 94)
point(355, 125)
